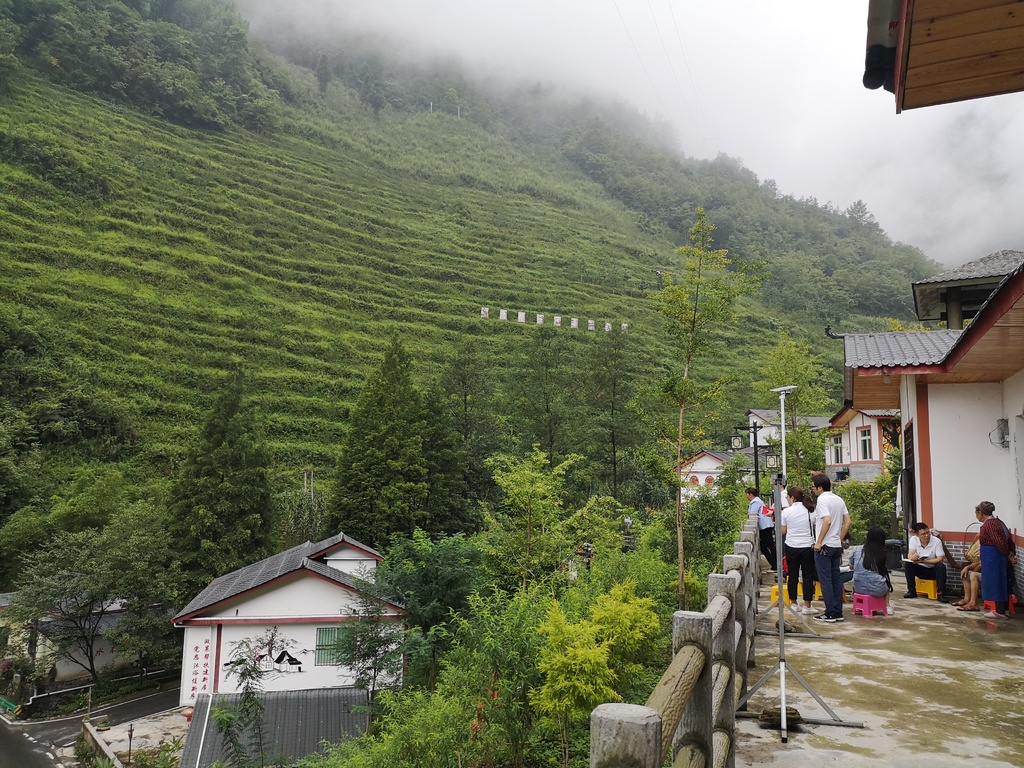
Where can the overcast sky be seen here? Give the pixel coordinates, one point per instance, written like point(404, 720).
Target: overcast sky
point(776, 84)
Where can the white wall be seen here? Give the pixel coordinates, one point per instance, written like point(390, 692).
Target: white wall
point(306, 595)
point(352, 562)
point(297, 606)
point(966, 467)
point(198, 660)
point(1013, 410)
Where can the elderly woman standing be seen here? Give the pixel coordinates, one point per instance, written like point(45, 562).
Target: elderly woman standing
point(998, 554)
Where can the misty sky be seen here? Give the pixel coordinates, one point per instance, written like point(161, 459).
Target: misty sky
point(776, 84)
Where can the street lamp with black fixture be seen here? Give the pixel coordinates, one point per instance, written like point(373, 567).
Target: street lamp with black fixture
point(736, 443)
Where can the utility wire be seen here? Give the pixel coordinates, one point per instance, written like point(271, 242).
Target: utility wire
point(689, 69)
point(639, 57)
point(664, 49)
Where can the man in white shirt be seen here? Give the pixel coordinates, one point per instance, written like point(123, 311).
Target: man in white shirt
point(831, 524)
point(926, 561)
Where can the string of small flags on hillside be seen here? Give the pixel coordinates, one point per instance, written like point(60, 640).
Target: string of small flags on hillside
point(557, 320)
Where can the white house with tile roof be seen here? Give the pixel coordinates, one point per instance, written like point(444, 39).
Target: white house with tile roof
point(961, 397)
point(860, 442)
point(304, 592)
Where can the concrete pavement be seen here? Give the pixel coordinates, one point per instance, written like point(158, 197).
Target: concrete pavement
point(932, 686)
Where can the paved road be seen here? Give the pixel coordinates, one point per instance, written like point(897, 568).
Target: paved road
point(31, 744)
point(18, 752)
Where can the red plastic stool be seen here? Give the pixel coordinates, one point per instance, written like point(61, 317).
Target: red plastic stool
point(866, 605)
point(990, 605)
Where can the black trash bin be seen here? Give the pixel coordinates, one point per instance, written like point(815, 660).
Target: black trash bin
point(894, 554)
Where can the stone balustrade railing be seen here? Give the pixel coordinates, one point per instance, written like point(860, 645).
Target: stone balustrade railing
point(691, 714)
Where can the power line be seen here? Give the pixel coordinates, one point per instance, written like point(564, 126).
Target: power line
point(689, 70)
point(639, 57)
point(664, 49)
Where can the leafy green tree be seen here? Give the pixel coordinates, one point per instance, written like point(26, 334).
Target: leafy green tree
point(78, 581)
point(546, 393)
point(221, 512)
point(303, 511)
point(434, 580)
point(577, 675)
point(697, 305)
point(324, 75)
point(498, 639)
point(400, 467)
point(139, 545)
point(9, 38)
point(370, 645)
point(468, 387)
point(628, 625)
point(527, 534)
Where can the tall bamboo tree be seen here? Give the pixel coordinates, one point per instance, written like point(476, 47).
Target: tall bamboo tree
point(697, 304)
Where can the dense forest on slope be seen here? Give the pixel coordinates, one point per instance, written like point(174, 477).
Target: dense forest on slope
point(177, 197)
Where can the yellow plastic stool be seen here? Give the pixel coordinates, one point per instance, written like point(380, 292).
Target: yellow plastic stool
point(775, 594)
point(927, 587)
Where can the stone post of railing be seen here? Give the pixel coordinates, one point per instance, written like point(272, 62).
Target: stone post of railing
point(693, 743)
point(625, 736)
point(748, 592)
point(723, 653)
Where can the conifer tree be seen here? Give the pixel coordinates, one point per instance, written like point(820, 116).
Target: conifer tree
point(221, 512)
point(400, 467)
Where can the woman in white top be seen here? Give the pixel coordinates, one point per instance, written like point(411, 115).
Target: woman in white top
point(799, 540)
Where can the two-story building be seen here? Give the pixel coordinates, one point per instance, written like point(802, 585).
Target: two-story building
point(860, 442)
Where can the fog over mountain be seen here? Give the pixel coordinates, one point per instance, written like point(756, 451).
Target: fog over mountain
point(777, 85)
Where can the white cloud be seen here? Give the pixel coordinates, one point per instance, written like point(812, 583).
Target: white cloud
point(777, 84)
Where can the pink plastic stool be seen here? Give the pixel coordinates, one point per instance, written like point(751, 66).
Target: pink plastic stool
point(990, 605)
point(867, 605)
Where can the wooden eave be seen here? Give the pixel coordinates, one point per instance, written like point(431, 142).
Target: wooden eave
point(990, 350)
point(954, 50)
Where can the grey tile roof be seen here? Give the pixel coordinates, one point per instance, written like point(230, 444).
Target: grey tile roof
point(772, 417)
point(251, 576)
point(998, 264)
point(874, 350)
point(323, 547)
point(297, 724)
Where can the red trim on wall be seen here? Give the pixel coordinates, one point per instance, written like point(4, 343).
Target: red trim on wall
point(265, 620)
point(216, 661)
point(924, 454)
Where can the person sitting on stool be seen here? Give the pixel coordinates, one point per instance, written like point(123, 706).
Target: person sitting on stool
point(925, 555)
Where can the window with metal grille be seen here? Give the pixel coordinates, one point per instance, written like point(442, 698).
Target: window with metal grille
point(326, 642)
